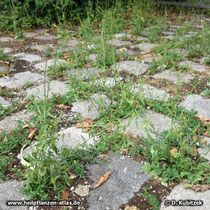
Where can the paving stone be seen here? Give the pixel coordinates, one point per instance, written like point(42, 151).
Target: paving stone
point(41, 30)
point(168, 33)
point(180, 193)
point(180, 51)
point(143, 125)
point(90, 108)
point(4, 102)
point(7, 50)
point(126, 179)
point(170, 37)
point(4, 68)
point(145, 46)
point(174, 77)
point(84, 73)
point(46, 64)
point(133, 67)
point(150, 92)
point(204, 150)
point(45, 37)
point(192, 33)
point(148, 58)
point(29, 34)
point(28, 57)
point(11, 122)
point(140, 38)
point(121, 35)
point(72, 43)
point(198, 103)
point(10, 190)
point(55, 87)
point(69, 138)
point(194, 66)
point(20, 79)
point(119, 43)
point(42, 48)
point(6, 39)
point(108, 82)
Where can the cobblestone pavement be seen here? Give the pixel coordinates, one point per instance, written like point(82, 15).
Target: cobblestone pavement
point(26, 78)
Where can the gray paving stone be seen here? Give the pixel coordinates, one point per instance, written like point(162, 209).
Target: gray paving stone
point(45, 37)
point(133, 67)
point(74, 137)
point(204, 150)
point(55, 87)
point(140, 38)
point(195, 66)
point(168, 33)
point(29, 34)
point(11, 122)
point(84, 73)
point(6, 39)
point(108, 82)
point(174, 77)
point(119, 43)
point(121, 35)
point(198, 103)
point(170, 37)
point(90, 108)
point(179, 193)
point(181, 51)
point(150, 92)
point(28, 57)
point(41, 30)
point(145, 46)
point(20, 79)
point(46, 64)
point(72, 43)
point(4, 102)
point(42, 48)
point(69, 138)
point(148, 58)
point(4, 68)
point(150, 122)
point(7, 50)
point(126, 179)
point(10, 190)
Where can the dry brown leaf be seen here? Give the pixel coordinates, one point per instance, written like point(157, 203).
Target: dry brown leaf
point(88, 65)
point(173, 152)
point(63, 106)
point(204, 141)
point(85, 124)
point(102, 179)
point(10, 166)
point(205, 120)
point(200, 187)
point(66, 55)
point(32, 133)
point(65, 195)
point(54, 25)
point(26, 126)
point(195, 150)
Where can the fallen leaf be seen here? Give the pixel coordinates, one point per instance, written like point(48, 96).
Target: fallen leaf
point(55, 26)
point(65, 195)
point(32, 133)
point(204, 141)
point(88, 65)
point(85, 124)
point(26, 126)
point(10, 166)
point(22, 161)
point(63, 106)
point(200, 187)
point(102, 179)
point(205, 120)
point(173, 152)
point(195, 150)
point(66, 55)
